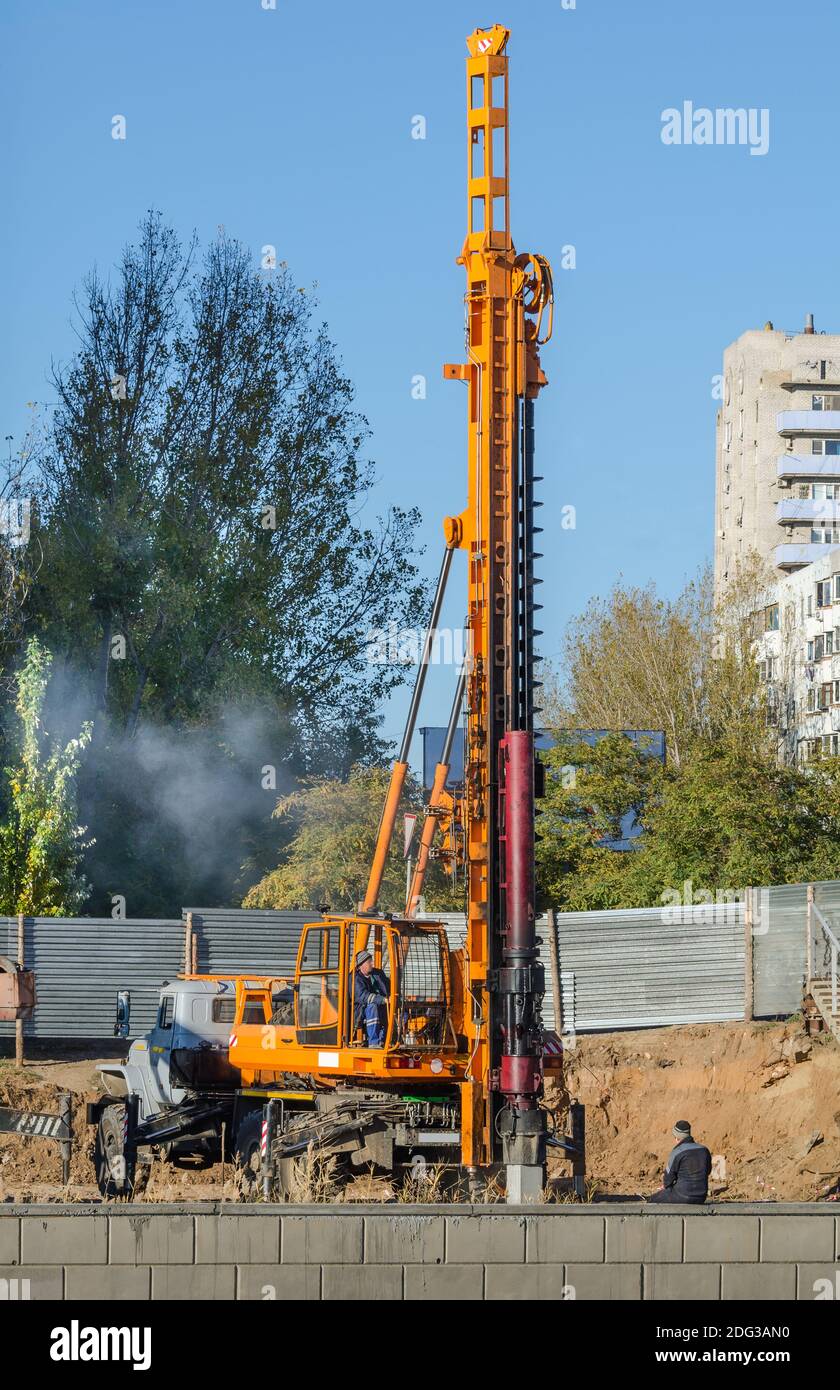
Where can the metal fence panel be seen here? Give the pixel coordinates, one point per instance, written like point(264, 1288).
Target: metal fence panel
point(779, 949)
point(456, 931)
point(780, 943)
point(643, 967)
point(241, 941)
point(81, 962)
point(827, 903)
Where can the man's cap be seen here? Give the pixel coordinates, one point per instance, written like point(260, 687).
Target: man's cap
point(682, 1129)
point(362, 956)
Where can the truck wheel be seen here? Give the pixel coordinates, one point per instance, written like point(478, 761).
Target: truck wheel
point(113, 1174)
point(247, 1153)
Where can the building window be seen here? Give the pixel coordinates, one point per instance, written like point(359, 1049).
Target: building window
point(824, 593)
point(771, 617)
point(835, 693)
point(829, 402)
point(825, 695)
point(811, 699)
point(837, 586)
point(823, 535)
point(825, 446)
point(818, 492)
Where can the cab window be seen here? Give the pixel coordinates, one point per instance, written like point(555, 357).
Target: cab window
point(224, 1009)
point(317, 995)
point(167, 1011)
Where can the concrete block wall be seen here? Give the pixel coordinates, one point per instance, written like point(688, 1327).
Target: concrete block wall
point(223, 1251)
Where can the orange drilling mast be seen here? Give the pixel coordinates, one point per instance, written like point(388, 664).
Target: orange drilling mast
point(509, 311)
point(456, 1068)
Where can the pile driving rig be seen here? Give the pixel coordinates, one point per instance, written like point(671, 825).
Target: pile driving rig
point(456, 1073)
point(464, 1040)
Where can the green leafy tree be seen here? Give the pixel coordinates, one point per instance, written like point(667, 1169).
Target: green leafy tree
point(41, 842)
point(720, 822)
point(589, 790)
point(204, 479)
point(636, 660)
point(726, 811)
point(330, 827)
point(209, 549)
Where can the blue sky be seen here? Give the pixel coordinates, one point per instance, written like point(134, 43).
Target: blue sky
point(293, 127)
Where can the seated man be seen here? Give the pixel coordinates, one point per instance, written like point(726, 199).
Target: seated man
point(687, 1171)
point(370, 999)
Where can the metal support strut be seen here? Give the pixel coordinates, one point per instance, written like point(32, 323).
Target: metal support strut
point(400, 768)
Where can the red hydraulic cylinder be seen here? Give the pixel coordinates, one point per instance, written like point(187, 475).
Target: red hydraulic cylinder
point(521, 978)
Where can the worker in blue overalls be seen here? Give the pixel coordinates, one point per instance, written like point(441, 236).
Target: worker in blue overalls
point(371, 992)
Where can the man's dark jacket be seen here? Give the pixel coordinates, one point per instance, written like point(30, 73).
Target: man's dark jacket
point(687, 1170)
point(366, 987)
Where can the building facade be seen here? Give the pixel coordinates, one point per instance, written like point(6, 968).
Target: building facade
point(778, 450)
point(798, 651)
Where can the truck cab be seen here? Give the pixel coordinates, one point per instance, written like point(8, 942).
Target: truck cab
point(186, 1050)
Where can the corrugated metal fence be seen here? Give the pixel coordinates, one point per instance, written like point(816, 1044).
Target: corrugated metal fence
point(780, 943)
point(238, 942)
point(81, 962)
point(647, 966)
point(623, 969)
point(456, 930)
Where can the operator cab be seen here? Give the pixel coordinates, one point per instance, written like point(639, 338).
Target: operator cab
point(411, 957)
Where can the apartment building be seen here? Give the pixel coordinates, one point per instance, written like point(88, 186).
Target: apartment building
point(778, 450)
point(798, 651)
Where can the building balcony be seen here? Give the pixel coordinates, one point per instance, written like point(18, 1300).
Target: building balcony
point(792, 422)
point(800, 381)
point(808, 466)
point(796, 509)
point(793, 557)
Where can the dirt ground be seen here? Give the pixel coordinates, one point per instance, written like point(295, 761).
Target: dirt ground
point(773, 1122)
point(763, 1098)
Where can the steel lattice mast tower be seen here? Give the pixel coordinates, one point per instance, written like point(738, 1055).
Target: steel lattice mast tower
point(508, 300)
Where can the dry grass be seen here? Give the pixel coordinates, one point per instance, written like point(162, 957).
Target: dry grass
point(314, 1178)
